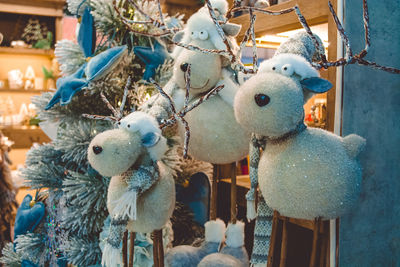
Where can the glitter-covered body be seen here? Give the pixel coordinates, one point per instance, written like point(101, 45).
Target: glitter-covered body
point(310, 175)
point(215, 136)
point(141, 193)
point(303, 172)
point(154, 206)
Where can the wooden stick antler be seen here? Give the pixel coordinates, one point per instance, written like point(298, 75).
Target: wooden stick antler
point(179, 116)
point(324, 63)
point(118, 114)
point(250, 35)
point(358, 58)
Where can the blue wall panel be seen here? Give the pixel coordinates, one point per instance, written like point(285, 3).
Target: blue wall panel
point(370, 234)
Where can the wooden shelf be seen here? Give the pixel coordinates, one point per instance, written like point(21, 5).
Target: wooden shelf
point(51, 8)
point(18, 128)
point(22, 91)
point(315, 12)
point(24, 136)
point(27, 51)
point(241, 181)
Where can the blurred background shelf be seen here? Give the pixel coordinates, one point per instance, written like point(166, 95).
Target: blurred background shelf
point(22, 91)
point(27, 51)
point(315, 12)
point(24, 136)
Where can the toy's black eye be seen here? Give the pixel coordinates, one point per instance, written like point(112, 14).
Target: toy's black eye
point(119, 123)
point(284, 68)
point(273, 68)
point(129, 126)
point(184, 67)
point(97, 149)
point(261, 99)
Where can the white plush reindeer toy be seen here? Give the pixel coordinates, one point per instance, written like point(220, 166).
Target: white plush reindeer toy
point(303, 172)
point(141, 194)
point(215, 136)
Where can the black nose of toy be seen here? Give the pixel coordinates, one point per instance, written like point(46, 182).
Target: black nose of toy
point(184, 67)
point(97, 149)
point(261, 99)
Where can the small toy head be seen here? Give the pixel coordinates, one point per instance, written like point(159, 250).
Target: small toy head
point(205, 68)
point(115, 151)
point(220, 8)
point(271, 102)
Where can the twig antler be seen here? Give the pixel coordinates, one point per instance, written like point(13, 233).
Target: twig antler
point(250, 35)
point(179, 116)
point(358, 58)
point(165, 31)
point(118, 114)
point(324, 63)
point(220, 31)
point(175, 117)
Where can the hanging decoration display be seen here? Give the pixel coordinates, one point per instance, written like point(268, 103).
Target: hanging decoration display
point(202, 111)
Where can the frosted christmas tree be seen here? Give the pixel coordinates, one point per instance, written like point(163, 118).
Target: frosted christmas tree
point(69, 223)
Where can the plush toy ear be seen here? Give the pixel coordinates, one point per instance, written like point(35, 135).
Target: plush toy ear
point(316, 85)
point(178, 36)
point(231, 29)
point(150, 139)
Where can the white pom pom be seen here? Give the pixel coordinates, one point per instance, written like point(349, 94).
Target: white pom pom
point(215, 231)
point(235, 235)
point(251, 210)
point(125, 206)
point(111, 256)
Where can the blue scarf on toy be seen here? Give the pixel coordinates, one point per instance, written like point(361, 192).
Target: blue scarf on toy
point(139, 181)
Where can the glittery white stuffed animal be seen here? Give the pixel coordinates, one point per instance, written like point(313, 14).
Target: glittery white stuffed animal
point(303, 172)
point(141, 194)
point(215, 136)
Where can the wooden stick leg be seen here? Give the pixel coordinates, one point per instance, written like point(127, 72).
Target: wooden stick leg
point(132, 249)
point(337, 241)
point(233, 193)
point(324, 245)
point(272, 239)
point(313, 260)
point(158, 249)
point(214, 188)
point(155, 249)
point(284, 243)
point(125, 249)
